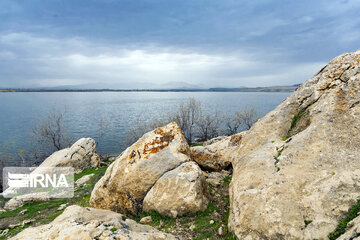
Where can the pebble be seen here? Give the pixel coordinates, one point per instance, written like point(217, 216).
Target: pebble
point(146, 219)
point(221, 231)
point(61, 207)
point(212, 221)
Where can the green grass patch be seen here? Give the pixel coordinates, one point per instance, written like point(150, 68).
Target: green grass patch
point(167, 222)
point(227, 179)
point(197, 144)
point(341, 227)
point(44, 212)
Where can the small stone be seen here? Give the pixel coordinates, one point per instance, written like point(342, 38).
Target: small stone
point(26, 221)
point(221, 231)
point(14, 225)
point(84, 179)
point(23, 211)
point(161, 223)
point(61, 207)
point(173, 213)
point(192, 227)
point(3, 233)
point(147, 219)
point(212, 222)
point(216, 214)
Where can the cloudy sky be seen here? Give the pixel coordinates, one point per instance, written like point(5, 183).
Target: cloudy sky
point(157, 43)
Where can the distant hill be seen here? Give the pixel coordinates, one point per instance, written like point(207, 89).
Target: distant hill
point(175, 87)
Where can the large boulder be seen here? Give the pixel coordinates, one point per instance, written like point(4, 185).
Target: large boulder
point(82, 154)
point(88, 223)
point(300, 188)
point(136, 170)
point(178, 192)
point(218, 153)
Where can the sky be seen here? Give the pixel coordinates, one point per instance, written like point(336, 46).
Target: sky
point(171, 43)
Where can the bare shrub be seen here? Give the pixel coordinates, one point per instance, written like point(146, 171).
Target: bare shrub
point(208, 126)
point(50, 134)
point(102, 130)
point(241, 120)
point(12, 155)
point(187, 116)
point(248, 116)
point(232, 124)
point(194, 124)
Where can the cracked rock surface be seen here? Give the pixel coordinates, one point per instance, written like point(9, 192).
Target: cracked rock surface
point(132, 175)
point(178, 192)
point(300, 188)
point(88, 223)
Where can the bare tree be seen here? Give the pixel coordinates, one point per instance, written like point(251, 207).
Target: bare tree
point(187, 116)
point(193, 123)
point(232, 123)
point(50, 134)
point(248, 116)
point(241, 120)
point(103, 128)
point(208, 126)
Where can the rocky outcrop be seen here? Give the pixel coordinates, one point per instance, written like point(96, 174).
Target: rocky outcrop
point(18, 201)
point(218, 153)
point(300, 188)
point(178, 192)
point(82, 154)
point(88, 223)
point(353, 230)
point(128, 179)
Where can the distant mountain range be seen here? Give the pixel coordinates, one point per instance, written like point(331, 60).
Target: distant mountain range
point(171, 87)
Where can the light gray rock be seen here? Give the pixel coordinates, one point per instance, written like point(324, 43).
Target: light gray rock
point(216, 178)
point(18, 201)
point(84, 179)
point(146, 219)
point(313, 176)
point(178, 192)
point(81, 155)
point(136, 170)
point(217, 154)
point(88, 223)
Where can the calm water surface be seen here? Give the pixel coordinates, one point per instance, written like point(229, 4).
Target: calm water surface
point(20, 111)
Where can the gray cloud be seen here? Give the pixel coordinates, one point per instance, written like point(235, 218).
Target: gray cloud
point(39, 62)
point(127, 44)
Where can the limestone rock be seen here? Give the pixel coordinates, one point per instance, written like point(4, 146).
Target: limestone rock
point(314, 176)
point(82, 154)
point(353, 231)
point(216, 178)
point(146, 219)
point(217, 153)
point(84, 179)
point(18, 201)
point(88, 223)
point(136, 170)
point(178, 192)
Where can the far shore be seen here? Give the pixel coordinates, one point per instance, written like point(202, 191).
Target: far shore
point(257, 89)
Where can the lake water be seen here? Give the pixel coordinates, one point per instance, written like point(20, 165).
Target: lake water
point(20, 111)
